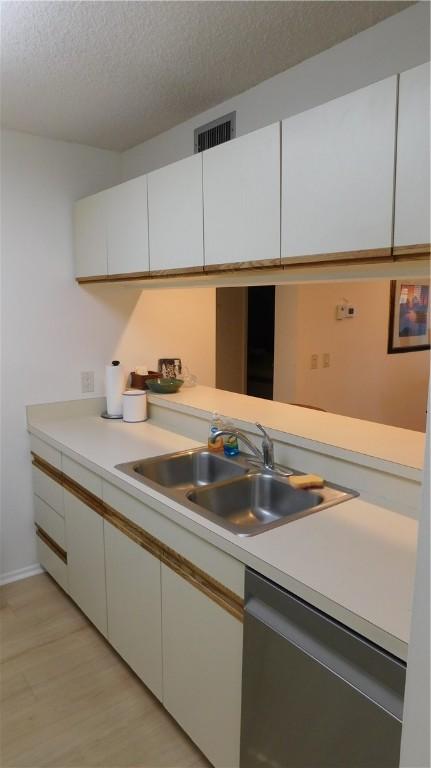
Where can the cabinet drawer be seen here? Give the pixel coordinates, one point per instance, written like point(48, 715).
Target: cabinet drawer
point(52, 563)
point(48, 490)
point(50, 521)
point(45, 452)
point(83, 476)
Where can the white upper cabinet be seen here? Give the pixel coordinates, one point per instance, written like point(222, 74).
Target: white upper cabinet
point(127, 227)
point(90, 215)
point(412, 191)
point(176, 216)
point(241, 183)
point(338, 174)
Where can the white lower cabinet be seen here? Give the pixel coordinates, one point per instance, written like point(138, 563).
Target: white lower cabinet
point(181, 634)
point(134, 606)
point(52, 563)
point(86, 559)
point(202, 662)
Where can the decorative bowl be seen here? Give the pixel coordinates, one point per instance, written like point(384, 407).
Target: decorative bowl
point(164, 386)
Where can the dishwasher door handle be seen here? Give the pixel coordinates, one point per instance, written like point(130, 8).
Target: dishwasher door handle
point(371, 671)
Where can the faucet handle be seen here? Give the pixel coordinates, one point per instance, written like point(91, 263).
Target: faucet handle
point(264, 432)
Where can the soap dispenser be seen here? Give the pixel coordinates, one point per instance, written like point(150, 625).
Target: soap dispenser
point(215, 446)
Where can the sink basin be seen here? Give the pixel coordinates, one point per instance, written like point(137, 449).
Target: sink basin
point(187, 470)
point(231, 492)
point(255, 502)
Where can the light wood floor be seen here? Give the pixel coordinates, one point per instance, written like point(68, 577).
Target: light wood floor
point(67, 697)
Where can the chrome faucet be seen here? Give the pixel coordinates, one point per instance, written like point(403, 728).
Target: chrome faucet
point(267, 448)
point(265, 456)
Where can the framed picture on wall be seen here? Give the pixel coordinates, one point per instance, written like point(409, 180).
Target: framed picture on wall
point(170, 367)
point(409, 316)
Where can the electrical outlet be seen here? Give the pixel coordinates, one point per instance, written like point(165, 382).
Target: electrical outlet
point(314, 362)
point(87, 381)
point(326, 359)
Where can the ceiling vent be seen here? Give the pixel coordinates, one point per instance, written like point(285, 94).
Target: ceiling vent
point(216, 132)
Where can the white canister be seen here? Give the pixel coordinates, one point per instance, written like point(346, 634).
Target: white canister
point(134, 405)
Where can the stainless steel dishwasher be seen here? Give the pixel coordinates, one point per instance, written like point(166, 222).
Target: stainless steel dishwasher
point(315, 694)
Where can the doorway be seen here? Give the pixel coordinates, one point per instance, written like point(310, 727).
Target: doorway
point(245, 340)
point(260, 341)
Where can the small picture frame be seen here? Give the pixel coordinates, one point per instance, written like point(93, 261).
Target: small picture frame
point(170, 367)
point(409, 316)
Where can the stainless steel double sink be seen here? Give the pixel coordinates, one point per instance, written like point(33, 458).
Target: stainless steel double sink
point(232, 492)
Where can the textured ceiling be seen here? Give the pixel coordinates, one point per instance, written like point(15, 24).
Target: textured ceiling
point(113, 74)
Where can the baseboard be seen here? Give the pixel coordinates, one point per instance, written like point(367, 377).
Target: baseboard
point(21, 573)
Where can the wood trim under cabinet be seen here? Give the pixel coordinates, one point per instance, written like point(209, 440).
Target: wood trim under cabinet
point(342, 258)
point(128, 276)
point(92, 279)
point(59, 551)
point(198, 578)
point(240, 265)
point(157, 273)
point(112, 278)
point(419, 250)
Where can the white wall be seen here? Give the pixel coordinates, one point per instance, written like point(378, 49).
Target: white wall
point(392, 46)
point(362, 381)
point(52, 329)
point(172, 323)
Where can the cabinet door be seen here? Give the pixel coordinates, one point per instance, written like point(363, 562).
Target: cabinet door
point(127, 227)
point(134, 606)
point(90, 215)
point(241, 180)
point(338, 174)
point(176, 215)
point(202, 657)
point(86, 559)
point(412, 193)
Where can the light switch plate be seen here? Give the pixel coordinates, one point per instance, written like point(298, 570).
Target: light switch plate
point(87, 382)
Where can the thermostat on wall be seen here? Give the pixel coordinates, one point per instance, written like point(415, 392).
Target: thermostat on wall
point(343, 311)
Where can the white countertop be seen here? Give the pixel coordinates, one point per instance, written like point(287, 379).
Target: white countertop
point(380, 443)
point(355, 561)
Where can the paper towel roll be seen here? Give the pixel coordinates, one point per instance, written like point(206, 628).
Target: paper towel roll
point(115, 384)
